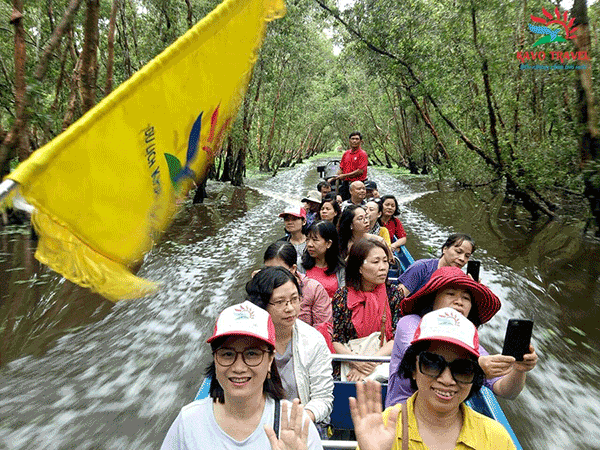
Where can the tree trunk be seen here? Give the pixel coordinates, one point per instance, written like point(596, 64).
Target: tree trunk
point(488, 91)
point(123, 42)
point(441, 148)
point(111, 46)
point(589, 145)
point(248, 110)
point(62, 74)
point(18, 141)
point(14, 137)
point(200, 194)
point(55, 39)
point(273, 122)
point(73, 103)
point(50, 14)
point(229, 162)
point(190, 20)
point(89, 56)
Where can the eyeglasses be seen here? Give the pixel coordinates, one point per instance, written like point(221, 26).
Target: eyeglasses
point(462, 370)
point(252, 357)
point(283, 303)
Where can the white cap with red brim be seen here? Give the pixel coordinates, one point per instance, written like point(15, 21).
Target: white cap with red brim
point(245, 319)
point(448, 325)
point(294, 211)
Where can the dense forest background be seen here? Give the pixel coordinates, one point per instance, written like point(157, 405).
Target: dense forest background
point(434, 86)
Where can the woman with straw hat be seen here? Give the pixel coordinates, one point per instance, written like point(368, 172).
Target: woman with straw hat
point(451, 287)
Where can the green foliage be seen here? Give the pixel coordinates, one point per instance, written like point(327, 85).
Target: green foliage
point(534, 111)
point(306, 98)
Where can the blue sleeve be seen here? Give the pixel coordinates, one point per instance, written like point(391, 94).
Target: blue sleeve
point(414, 276)
point(399, 388)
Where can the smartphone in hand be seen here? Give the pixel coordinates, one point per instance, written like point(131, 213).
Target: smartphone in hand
point(473, 267)
point(518, 337)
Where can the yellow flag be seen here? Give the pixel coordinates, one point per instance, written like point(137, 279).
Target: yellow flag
point(106, 188)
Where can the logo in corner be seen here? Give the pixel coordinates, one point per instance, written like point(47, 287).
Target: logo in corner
point(550, 27)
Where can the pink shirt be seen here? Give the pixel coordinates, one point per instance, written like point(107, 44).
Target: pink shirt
point(315, 308)
point(329, 282)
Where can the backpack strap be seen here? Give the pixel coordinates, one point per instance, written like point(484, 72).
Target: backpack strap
point(277, 417)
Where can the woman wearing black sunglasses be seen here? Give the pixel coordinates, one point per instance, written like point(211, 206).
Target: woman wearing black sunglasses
point(441, 364)
point(451, 287)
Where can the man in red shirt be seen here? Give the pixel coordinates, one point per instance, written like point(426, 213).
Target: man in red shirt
point(353, 166)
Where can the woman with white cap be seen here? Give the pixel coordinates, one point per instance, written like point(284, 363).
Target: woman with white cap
point(441, 364)
point(451, 287)
point(243, 409)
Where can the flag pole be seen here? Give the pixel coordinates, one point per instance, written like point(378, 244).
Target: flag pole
point(6, 187)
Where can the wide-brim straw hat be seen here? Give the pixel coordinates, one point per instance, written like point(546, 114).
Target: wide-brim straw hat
point(487, 303)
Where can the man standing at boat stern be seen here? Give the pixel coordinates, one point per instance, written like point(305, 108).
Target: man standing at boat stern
point(353, 166)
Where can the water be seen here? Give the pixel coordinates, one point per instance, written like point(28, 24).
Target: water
point(80, 372)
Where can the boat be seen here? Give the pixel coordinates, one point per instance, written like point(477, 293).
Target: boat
point(484, 401)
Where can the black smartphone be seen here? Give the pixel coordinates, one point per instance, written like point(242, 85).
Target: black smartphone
point(518, 337)
point(473, 267)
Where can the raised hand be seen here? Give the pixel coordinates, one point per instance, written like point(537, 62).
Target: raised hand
point(293, 434)
point(496, 365)
point(529, 361)
point(371, 433)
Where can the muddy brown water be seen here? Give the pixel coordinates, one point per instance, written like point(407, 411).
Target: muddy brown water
point(78, 372)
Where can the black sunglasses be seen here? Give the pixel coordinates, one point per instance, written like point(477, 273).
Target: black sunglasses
point(462, 370)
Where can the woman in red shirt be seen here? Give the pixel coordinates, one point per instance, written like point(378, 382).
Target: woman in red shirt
point(393, 225)
point(321, 260)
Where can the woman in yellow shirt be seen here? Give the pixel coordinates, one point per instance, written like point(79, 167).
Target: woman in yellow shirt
point(442, 363)
point(374, 210)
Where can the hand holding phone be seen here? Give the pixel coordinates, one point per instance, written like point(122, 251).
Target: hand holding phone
point(518, 337)
point(473, 267)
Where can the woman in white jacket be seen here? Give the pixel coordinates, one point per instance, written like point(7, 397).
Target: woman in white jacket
point(301, 354)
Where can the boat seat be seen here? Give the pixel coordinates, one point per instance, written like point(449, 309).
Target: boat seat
point(340, 417)
point(395, 270)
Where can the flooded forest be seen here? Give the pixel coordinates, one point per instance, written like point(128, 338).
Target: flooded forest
point(473, 116)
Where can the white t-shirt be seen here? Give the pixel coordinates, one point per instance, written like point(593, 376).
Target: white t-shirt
point(196, 428)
